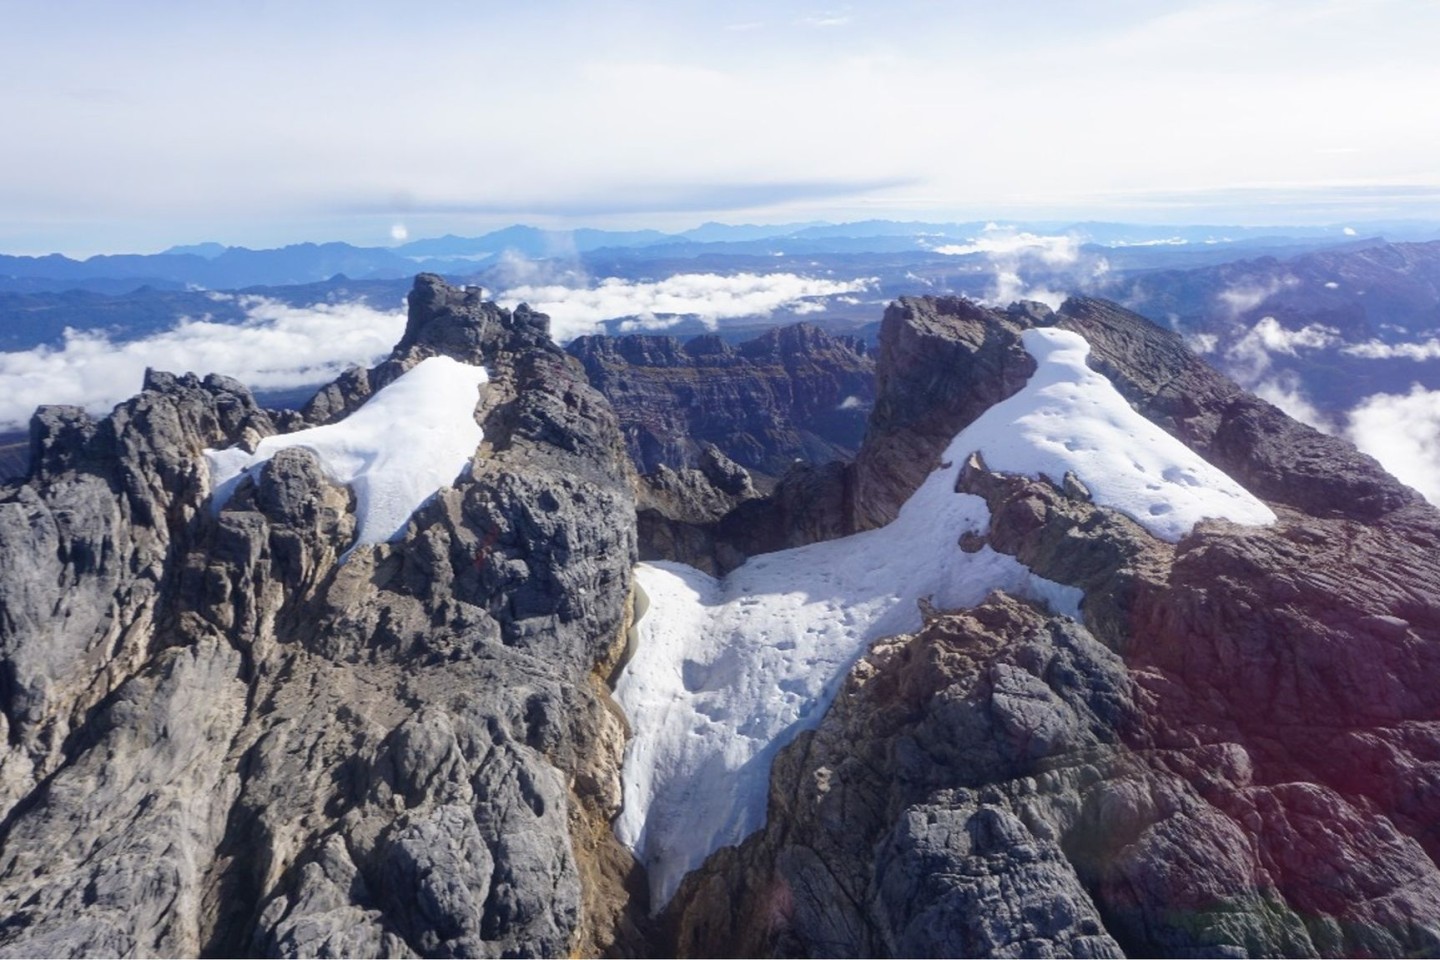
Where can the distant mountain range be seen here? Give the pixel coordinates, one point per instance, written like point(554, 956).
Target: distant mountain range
point(214, 266)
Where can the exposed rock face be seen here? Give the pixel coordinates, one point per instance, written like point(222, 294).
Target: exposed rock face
point(942, 363)
point(220, 740)
point(1234, 754)
point(794, 393)
point(717, 533)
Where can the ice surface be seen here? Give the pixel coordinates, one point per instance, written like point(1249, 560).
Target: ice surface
point(409, 440)
point(727, 671)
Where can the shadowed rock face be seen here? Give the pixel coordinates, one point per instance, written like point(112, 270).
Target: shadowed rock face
point(1235, 753)
point(792, 393)
point(218, 739)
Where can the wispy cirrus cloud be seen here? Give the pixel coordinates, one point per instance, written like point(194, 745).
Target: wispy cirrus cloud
point(626, 198)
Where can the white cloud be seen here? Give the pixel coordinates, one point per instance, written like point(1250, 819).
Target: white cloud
point(1375, 350)
point(1009, 251)
point(1402, 431)
point(1010, 286)
point(1202, 343)
point(1249, 357)
point(275, 347)
point(1055, 251)
point(1243, 297)
point(1166, 242)
point(1284, 391)
point(708, 297)
point(398, 231)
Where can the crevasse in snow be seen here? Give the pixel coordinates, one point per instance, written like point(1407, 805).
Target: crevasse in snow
point(727, 671)
point(412, 438)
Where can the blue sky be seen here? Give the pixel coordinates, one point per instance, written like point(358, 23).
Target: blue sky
point(134, 126)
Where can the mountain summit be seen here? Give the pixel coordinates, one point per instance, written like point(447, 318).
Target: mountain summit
point(1087, 651)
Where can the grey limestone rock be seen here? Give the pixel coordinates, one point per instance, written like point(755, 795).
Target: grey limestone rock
point(223, 740)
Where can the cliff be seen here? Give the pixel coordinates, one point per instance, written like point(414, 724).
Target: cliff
point(794, 393)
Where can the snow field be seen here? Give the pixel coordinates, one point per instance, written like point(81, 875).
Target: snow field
point(727, 671)
point(410, 439)
point(1069, 417)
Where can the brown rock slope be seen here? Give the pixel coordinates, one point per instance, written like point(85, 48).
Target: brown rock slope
point(1237, 753)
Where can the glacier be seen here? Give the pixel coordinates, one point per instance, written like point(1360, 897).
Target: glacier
point(727, 671)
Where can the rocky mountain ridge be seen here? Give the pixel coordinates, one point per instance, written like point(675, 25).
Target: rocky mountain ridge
point(221, 740)
point(1232, 754)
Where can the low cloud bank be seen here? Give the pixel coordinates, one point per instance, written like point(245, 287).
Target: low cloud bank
point(277, 346)
point(1402, 431)
point(708, 297)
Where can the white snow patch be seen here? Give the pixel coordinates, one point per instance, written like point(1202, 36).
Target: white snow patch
point(409, 440)
point(1069, 417)
point(727, 671)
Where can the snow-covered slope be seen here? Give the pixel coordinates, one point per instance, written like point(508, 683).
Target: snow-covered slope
point(410, 439)
point(1069, 417)
point(726, 672)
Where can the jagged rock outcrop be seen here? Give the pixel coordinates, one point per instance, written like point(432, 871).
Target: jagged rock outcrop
point(793, 393)
point(1233, 754)
point(220, 739)
point(942, 362)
